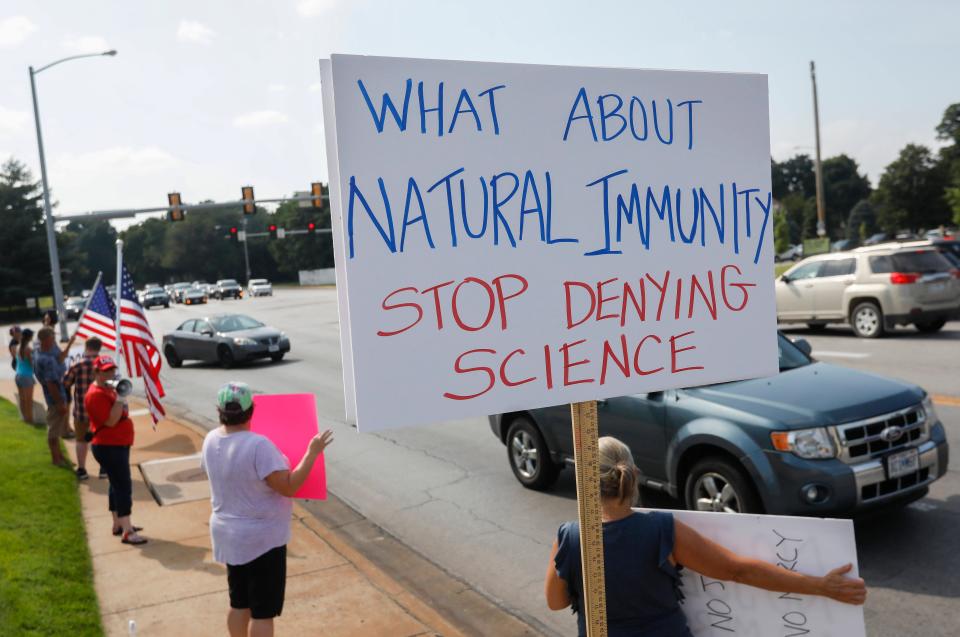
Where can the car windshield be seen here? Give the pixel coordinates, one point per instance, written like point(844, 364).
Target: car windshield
point(156, 291)
point(234, 323)
point(258, 282)
point(790, 355)
point(228, 282)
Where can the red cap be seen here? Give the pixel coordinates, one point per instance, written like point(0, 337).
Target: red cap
point(104, 363)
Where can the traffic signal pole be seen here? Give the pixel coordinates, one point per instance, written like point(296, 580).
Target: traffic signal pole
point(246, 254)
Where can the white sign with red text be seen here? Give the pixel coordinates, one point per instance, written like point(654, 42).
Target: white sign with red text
point(515, 236)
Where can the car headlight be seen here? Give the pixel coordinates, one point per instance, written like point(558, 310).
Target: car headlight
point(805, 443)
point(241, 340)
point(932, 417)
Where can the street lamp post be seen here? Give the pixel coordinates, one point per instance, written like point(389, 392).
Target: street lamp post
point(47, 208)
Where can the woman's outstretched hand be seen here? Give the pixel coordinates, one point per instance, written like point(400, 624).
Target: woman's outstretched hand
point(849, 590)
point(320, 442)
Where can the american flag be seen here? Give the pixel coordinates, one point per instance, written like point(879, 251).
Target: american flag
point(140, 351)
point(100, 318)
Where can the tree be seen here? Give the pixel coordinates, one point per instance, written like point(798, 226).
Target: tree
point(911, 191)
point(948, 130)
point(843, 187)
point(88, 247)
point(25, 265)
point(794, 175)
point(781, 232)
point(862, 222)
point(302, 252)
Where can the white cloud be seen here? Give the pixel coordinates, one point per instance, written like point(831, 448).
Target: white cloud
point(148, 160)
point(191, 31)
point(13, 121)
point(85, 44)
point(277, 88)
point(314, 8)
point(259, 118)
point(14, 30)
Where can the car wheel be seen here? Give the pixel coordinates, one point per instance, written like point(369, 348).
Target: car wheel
point(173, 359)
point(529, 456)
point(276, 358)
point(166, 306)
point(715, 484)
point(866, 319)
point(225, 357)
point(929, 327)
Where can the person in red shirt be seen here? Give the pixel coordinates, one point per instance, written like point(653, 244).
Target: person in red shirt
point(112, 438)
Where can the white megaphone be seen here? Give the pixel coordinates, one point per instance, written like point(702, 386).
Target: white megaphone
point(122, 386)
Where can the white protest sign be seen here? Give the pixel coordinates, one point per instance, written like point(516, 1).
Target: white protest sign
point(813, 546)
point(516, 236)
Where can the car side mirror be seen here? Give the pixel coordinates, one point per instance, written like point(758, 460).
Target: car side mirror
point(804, 346)
point(785, 278)
point(207, 332)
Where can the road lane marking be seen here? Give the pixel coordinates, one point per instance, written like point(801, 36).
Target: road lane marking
point(830, 354)
point(946, 401)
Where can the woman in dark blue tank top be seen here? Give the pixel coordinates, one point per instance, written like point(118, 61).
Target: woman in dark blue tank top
point(642, 555)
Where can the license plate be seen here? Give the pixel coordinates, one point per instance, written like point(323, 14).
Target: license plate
point(903, 463)
point(274, 348)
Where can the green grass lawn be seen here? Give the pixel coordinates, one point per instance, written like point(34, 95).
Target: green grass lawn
point(46, 579)
point(780, 268)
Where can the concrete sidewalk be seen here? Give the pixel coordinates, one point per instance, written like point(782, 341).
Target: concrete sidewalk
point(171, 586)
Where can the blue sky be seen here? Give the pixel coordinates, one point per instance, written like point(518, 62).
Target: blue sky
point(207, 96)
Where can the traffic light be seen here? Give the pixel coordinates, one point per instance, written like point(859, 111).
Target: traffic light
point(311, 228)
point(272, 229)
point(176, 212)
point(316, 192)
point(234, 234)
point(249, 207)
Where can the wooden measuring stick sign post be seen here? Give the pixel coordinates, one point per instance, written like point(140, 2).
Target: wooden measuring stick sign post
point(586, 451)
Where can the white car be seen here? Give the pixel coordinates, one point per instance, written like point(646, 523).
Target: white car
point(259, 287)
point(873, 289)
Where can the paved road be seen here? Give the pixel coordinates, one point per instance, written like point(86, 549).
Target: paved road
point(446, 490)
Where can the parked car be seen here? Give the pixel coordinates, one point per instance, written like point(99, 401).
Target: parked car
point(875, 239)
point(872, 288)
point(225, 339)
point(843, 245)
point(154, 296)
point(259, 287)
point(73, 306)
point(816, 439)
point(227, 289)
point(791, 254)
point(194, 295)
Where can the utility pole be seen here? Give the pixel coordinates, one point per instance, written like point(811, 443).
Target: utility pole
point(246, 255)
point(821, 212)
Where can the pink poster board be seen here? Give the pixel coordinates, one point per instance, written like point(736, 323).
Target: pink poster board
point(290, 421)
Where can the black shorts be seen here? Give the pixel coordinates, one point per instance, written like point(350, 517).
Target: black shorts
point(259, 585)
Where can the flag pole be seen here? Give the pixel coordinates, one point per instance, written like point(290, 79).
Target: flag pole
point(119, 295)
point(86, 305)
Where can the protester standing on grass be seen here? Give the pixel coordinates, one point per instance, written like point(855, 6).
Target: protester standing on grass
point(78, 380)
point(49, 370)
point(642, 553)
point(14, 345)
point(23, 366)
point(112, 438)
point(251, 485)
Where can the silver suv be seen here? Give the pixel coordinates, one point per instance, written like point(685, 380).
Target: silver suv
point(873, 288)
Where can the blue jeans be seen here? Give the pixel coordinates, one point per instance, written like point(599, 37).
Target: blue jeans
point(115, 461)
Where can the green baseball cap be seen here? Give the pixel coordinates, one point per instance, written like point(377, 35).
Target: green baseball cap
point(234, 397)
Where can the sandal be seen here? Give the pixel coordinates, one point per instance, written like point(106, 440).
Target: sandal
point(133, 538)
point(119, 530)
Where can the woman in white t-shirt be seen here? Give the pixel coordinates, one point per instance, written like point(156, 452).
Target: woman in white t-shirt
point(251, 485)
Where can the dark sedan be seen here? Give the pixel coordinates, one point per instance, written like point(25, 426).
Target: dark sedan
point(224, 339)
point(816, 439)
point(154, 296)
